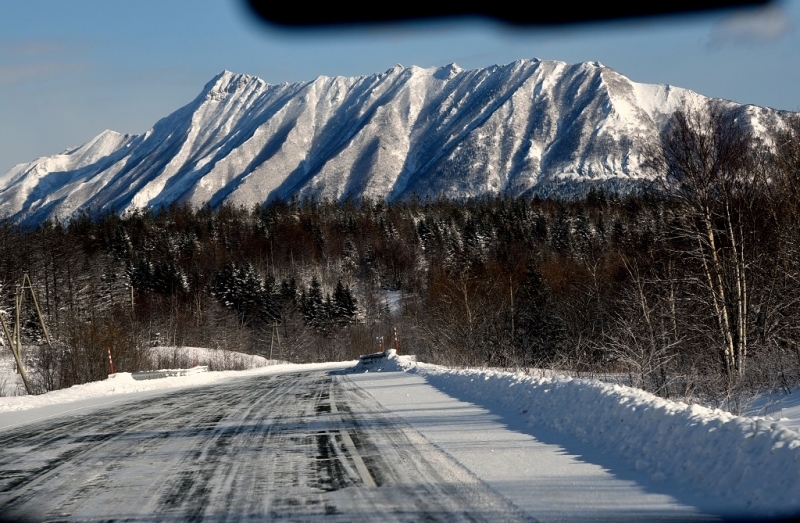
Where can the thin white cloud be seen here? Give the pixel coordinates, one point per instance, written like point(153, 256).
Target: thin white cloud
point(30, 60)
point(32, 71)
point(27, 48)
point(751, 26)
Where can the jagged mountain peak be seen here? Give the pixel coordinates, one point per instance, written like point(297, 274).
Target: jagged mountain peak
point(228, 82)
point(450, 70)
point(531, 125)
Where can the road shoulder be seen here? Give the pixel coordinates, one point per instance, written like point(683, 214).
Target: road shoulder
point(542, 479)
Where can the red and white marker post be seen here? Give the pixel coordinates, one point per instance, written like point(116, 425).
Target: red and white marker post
point(110, 361)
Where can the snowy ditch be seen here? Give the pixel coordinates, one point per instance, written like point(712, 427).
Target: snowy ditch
point(740, 465)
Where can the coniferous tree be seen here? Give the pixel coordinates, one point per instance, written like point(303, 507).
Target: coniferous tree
point(313, 306)
point(345, 305)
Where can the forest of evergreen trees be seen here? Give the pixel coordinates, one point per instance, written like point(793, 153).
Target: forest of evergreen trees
point(689, 289)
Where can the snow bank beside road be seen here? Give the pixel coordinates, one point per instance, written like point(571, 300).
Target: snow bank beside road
point(123, 383)
point(162, 357)
point(739, 465)
point(732, 465)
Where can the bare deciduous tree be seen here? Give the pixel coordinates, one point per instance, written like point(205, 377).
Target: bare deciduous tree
point(708, 162)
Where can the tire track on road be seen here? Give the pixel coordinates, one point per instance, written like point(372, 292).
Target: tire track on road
point(290, 447)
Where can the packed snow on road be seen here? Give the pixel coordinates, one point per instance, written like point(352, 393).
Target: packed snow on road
point(395, 440)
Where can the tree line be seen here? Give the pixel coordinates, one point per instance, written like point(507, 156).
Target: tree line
point(689, 287)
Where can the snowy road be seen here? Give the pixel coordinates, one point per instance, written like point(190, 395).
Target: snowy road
point(295, 447)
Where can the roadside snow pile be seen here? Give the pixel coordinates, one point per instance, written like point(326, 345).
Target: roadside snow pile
point(123, 383)
point(167, 373)
point(119, 383)
point(749, 465)
point(163, 357)
point(387, 361)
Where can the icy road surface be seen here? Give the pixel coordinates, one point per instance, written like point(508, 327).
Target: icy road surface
point(303, 446)
point(545, 480)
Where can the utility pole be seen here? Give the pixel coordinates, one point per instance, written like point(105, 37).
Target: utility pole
point(12, 344)
point(15, 337)
point(275, 334)
point(27, 279)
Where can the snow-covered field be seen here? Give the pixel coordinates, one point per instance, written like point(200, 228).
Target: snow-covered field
point(719, 463)
point(780, 406)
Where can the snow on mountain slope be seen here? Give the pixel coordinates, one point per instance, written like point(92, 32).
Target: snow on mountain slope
point(512, 128)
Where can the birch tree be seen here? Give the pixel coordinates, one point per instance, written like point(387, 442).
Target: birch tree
point(707, 159)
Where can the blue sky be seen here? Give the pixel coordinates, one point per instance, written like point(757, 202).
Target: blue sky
point(69, 70)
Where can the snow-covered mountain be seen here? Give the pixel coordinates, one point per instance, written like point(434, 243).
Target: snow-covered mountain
point(513, 128)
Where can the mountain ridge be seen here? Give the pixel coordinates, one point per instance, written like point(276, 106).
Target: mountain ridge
point(516, 129)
